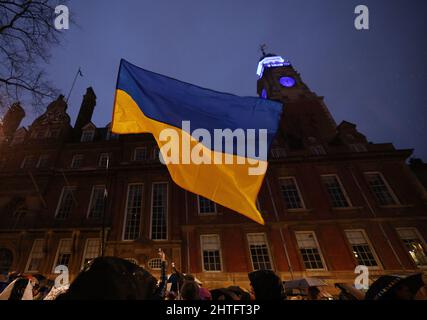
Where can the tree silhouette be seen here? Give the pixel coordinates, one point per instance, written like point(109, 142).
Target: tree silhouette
point(27, 34)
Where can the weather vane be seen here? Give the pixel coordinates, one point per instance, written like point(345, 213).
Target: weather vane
point(262, 48)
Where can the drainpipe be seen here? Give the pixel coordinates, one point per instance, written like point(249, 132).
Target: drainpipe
point(281, 232)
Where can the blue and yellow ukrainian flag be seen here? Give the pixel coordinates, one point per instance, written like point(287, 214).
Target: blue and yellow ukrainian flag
point(147, 102)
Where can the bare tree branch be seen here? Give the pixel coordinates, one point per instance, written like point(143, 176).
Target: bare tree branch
point(27, 34)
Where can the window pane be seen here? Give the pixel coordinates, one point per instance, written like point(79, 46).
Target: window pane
point(258, 249)
point(206, 206)
point(43, 161)
point(133, 212)
point(77, 161)
point(290, 193)
point(159, 211)
point(336, 194)
point(414, 245)
point(97, 202)
point(211, 252)
point(103, 160)
point(66, 203)
point(361, 249)
point(36, 256)
point(380, 189)
point(92, 250)
point(64, 253)
point(140, 154)
point(309, 250)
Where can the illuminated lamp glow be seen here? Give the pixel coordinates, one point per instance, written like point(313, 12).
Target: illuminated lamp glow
point(287, 82)
point(269, 62)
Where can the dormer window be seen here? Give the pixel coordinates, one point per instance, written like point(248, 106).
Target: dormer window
point(28, 162)
point(140, 154)
point(77, 161)
point(43, 161)
point(358, 147)
point(278, 152)
point(54, 133)
point(88, 135)
point(318, 150)
point(104, 160)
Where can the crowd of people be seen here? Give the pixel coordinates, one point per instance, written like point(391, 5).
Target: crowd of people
point(111, 278)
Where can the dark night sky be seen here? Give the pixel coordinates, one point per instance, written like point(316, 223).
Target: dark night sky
point(376, 79)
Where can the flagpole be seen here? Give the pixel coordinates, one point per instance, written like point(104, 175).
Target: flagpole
point(105, 209)
point(74, 82)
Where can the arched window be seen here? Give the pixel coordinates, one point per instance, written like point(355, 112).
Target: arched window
point(6, 259)
point(155, 264)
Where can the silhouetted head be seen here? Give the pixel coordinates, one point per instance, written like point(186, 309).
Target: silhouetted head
point(266, 285)
point(190, 290)
point(110, 278)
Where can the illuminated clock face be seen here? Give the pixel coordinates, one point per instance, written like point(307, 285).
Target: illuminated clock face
point(287, 82)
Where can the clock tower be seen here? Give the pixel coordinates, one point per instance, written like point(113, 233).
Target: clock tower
point(306, 120)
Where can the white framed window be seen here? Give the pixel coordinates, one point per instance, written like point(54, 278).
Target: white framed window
point(381, 189)
point(159, 211)
point(132, 225)
point(211, 252)
point(155, 264)
point(309, 250)
point(104, 160)
point(362, 249)
point(97, 202)
point(336, 191)
point(140, 154)
point(259, 251)
point(28, 162)
point(92, 250)
point(87, 135)
point(36, 257)
point(206, 206)
point(77, 161)
point(43, 161)
point(65, 203)
point(63, 254)
point(318, 150)
point(415, 245)
point(291, 193)
point(358, 147)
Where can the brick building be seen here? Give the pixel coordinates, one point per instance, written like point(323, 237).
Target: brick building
point(331, 199)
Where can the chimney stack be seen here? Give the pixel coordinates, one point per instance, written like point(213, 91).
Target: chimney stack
point(86, 109)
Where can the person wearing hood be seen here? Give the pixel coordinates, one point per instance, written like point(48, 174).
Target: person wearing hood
point(266, 285)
